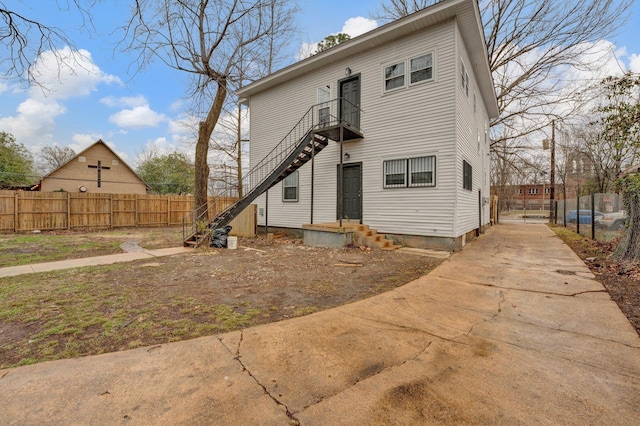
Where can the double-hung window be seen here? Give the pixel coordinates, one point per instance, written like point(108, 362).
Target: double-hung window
point(394, 76)
point(421, 68)
point(290, 187)
point(410, 172)
point(421, 171)
point(395, 173)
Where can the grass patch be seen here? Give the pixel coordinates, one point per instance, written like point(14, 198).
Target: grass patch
point(306, 310)
point(25, 249)
point(18, 250)
point(78, 312)
point(581, 245)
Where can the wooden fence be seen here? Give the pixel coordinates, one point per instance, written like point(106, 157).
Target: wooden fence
point(22, 211)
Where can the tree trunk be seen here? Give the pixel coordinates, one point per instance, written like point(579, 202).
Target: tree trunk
point(205, 129)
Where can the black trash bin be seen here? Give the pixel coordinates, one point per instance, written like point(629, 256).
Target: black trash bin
point(219, 237)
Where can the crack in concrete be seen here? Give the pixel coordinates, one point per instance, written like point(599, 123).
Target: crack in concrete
point(368, 377)
point(562, 330)
point(402, 327)
point(238, 358)
point(493, 317)
point(525, 290)
point(527, 348)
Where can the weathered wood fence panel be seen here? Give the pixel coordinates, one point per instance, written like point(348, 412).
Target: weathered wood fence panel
point(22, 211)
point(7, 211)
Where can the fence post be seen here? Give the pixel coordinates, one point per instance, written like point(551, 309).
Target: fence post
point(593, 216)
point(168, 210)
point(16, 214)
point(68, 210)
point(578, 214)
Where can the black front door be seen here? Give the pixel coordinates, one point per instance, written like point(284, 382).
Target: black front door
point(352, 191)
point(350, 101)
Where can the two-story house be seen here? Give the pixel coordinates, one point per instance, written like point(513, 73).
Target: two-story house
point(393, 126)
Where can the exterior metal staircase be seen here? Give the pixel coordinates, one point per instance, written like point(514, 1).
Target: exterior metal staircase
point(307, 138)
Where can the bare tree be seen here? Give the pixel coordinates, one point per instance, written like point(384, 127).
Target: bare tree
point(229, 149)
point(23, 39)
point(52, 157)
point(205, 39)
point(531, 46)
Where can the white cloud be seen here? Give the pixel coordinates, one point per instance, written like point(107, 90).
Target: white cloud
point(352, 26)
point(66, 73)
point(34, 122)
point(137, 117)
point(306, 50)
point(3, 87)
point(60, 74)
point(634, 63)
point(359, 25)
point(80, 141)
point(124, 101)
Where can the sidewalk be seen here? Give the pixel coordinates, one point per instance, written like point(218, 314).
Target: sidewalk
point(91, 261)
point(512, 330)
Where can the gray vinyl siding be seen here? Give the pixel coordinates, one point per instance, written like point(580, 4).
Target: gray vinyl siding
point(470, 125)
point(416, 121)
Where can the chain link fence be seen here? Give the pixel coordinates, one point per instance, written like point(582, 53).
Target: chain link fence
point(597, 216)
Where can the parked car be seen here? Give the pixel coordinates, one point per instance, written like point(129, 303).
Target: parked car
point(584, 216)
point(614, 221)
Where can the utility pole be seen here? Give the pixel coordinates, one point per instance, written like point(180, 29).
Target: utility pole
point(553, 173)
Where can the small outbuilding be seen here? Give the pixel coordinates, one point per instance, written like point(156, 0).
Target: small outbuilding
point(97, 169)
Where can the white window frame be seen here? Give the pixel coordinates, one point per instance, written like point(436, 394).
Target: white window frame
point(431, 161)
point(406, 167)
point(385, 78)
point(411, 71)
point(324, 102)
point(399, 164)
point(291, 181)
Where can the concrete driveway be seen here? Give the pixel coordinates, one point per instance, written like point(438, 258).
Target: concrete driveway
point(512, 330)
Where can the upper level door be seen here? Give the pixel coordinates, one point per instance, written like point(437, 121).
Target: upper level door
point(350, 101)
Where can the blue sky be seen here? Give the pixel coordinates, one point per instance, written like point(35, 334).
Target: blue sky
point(105, 99)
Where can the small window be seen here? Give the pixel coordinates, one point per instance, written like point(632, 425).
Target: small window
point(395, 173)
point(290, 187)
point(464, 78)
point(324, 105)
point(421, 171)
point(475, 101)
point(547, 190)
point(467, 173)
point(422, 68)
point(533, 191)
point(394, 76)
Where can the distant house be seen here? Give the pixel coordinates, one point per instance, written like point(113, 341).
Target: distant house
point(97, 169)
point(402, 115)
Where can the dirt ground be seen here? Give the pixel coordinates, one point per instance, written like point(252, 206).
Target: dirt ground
point(622, 281)
point(103, 309)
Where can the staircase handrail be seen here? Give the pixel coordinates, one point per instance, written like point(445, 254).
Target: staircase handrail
point(257, 174)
